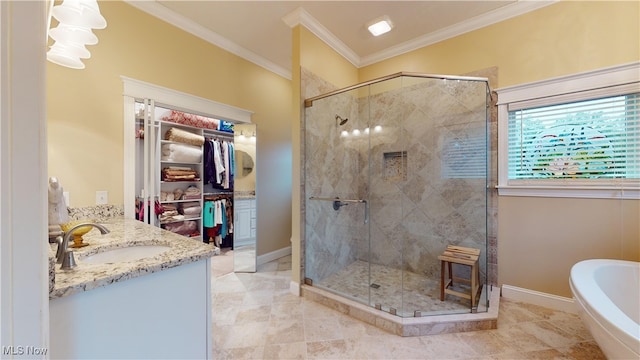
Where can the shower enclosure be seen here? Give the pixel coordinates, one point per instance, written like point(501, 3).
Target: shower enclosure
point(395, 170)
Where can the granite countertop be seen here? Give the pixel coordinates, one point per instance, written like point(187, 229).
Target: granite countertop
point(123, 233)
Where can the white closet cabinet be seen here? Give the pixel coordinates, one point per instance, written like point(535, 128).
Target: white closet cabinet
point(244, 222)
point(245, 250)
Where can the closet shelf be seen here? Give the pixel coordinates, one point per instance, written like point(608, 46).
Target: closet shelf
point(176, 221)
point(179, 201)
point(180, 182)
point(163, 142)
point(180, 162)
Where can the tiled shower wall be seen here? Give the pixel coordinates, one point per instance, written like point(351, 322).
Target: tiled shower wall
point(422, 196)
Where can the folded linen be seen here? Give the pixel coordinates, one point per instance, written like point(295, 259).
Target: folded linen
point(191, 211)
point(181, 153)
point(191, 120)
point(186, 227)
point(189, 204)
point(183, 136)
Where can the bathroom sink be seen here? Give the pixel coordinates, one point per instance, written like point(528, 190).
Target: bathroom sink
point(131, 253)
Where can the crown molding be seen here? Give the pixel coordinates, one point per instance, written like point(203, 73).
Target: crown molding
point(161, 12)
point(519, 8)
point(301, 17)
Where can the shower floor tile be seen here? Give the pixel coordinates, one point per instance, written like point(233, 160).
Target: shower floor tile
point(386, 288)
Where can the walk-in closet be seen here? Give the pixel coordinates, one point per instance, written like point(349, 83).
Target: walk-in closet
point(184, 157)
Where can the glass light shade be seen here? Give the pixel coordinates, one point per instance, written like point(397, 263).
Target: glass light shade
point(83, 13)
point(65, 60)
point(73, 34)
point(71, 49)
point(380, 26)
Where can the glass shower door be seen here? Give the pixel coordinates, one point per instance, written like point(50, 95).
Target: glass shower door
point(336, 208)
point(387, 156)
point(395, 171)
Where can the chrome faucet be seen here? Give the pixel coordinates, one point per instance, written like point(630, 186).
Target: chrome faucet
point(65, 256)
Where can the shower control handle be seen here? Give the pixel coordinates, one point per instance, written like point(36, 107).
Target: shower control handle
point(338, 203)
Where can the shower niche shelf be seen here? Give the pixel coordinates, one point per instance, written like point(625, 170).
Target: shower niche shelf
point(395, 166)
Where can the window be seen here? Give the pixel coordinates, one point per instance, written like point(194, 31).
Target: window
point(590, 139)
point(577, 136)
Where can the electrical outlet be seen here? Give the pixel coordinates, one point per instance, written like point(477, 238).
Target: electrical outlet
point(65, 194)
point(102, 197)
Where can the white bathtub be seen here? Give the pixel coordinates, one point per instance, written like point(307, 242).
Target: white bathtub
point(607, 293)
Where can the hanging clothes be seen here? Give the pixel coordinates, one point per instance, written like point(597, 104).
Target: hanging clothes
point(219, 163)
point(218, 221)
point(232, 163)
point(208, 163)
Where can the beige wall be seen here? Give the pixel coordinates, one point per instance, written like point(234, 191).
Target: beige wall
point(564, 38)
point(85, 110)
point(539, 239)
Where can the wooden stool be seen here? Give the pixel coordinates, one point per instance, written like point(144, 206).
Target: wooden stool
point(462, 256)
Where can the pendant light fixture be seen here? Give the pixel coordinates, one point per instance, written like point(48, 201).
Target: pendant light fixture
point(76, 20)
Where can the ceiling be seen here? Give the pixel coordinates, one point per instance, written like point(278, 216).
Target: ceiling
point(260, 31)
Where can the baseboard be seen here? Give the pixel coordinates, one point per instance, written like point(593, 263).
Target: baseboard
point(539, 298)
point(268, 257)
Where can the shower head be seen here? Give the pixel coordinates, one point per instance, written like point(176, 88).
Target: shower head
point(342, 121)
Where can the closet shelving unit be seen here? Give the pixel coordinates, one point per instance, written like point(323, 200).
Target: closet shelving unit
point(144, 104)
point(153, 165)
point(171, 186)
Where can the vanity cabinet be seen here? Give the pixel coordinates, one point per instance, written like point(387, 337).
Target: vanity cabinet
point(163, 315)
point(245, 222)
point(244, 250)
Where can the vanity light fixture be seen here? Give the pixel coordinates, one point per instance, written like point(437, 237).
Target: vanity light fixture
point(76, 19)
point(380, 25)
point(253, 136)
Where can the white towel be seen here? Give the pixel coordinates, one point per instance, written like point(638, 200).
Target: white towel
point(181, 153)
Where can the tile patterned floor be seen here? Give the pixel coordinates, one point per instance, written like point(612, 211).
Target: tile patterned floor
point(255, 317)
point(424, 292)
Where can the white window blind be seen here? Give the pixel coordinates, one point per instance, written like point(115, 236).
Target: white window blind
point(596, 138)
point(572, 136)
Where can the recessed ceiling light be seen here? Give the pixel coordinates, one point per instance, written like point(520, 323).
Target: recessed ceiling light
point(380, 26)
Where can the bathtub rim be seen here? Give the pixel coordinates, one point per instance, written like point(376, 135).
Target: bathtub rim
point(606, 314)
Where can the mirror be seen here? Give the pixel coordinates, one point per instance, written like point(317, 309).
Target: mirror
point(245, 220)
point(244, 163)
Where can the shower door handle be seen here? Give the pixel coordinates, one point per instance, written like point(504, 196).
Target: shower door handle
point(338, 203)
point(366, 211)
